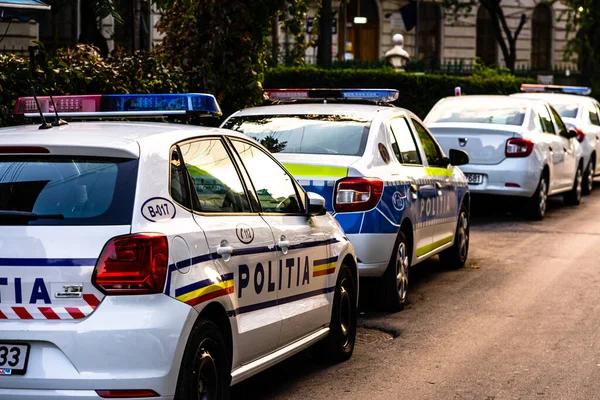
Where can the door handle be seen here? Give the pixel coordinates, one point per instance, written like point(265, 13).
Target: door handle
point(283, 244)
point(550, 148)
point(565, 149)
point(438, 187)
point(225, 250)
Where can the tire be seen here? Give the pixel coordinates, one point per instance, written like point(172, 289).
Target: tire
point(536, 205)
point(338, 346)
point(205, 372)
point(455, 257)
point(573, 197)
point(395, 278)
point(588, 179)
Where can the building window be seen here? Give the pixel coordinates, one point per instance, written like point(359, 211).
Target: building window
point(541, 38)
point(429, 34)
point(486, 46)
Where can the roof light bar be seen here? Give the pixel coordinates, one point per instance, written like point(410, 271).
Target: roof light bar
point(586, 91)
point(375, 95)
point(121, 105)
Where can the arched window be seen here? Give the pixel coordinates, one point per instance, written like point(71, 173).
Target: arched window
point(362, 33)
point(541, 38)
point(486, 46)
point(429, 33)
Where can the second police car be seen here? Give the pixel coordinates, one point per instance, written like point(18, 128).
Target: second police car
point(145, 260)
point(398, 197)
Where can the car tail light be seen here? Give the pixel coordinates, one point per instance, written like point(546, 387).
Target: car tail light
point(23, 150)
point(357, 194)
point(580, 135)
point(518, 147)
point(124, 394)
point(132, 264)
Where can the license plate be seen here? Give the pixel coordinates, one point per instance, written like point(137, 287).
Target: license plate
point(474, 179)
point(13, 358)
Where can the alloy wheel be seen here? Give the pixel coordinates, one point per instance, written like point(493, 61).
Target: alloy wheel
point(402, 271)
point(206, 370)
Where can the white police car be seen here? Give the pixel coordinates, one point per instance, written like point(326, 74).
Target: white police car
point(149, 260)
point(398, 197)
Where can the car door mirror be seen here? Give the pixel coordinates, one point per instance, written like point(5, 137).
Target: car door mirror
point(570, 134)
point(315, 204)
point(458, 157)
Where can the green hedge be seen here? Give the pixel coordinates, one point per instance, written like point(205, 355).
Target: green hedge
point(418, 92)
point(82, 71)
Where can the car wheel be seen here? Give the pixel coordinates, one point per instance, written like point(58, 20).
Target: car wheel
point(395, 279)
point(455, 257)
point(205, 372)
point(539, 201)
point(588, 179)
point(573, 197)
point(339, 344)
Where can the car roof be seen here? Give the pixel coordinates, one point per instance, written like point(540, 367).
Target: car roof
point(366, 110)
point(120, 136)
point(560, 98)
point(496, 99)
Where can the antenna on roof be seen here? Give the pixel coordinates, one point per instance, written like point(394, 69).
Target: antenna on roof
point(44, 125)
point(57, 121)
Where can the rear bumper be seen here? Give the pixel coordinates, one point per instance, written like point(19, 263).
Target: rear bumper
point(25, 394)
point(373, 251)
point(129, 342)
point(521, 172)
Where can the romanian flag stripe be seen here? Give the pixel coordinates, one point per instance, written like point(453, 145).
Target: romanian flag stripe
point(208, 292)
point(325, 266)
point(201, 284)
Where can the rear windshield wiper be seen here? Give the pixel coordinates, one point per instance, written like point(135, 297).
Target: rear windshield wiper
point(29, 216)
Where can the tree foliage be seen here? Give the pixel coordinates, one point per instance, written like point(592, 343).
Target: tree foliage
point(506, 38)
point(583, 20)
point(221, 46)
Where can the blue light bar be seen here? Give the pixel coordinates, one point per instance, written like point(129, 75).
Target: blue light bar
point(375, 95)
point(121, 105)
point(581, 90)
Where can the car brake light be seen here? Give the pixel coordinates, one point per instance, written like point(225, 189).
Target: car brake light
point(23, 150)
point(132, 264)
point(113, 394)
point(357, 194)
point(580, 135)
point(518, 147)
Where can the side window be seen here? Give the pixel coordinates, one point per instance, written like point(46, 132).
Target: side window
point(430, 147)
point(545, 120)
point(405, 141)
point(562, 129)
point(593, 113)
point(274, 186)
point(178, 189)
point(214, 178)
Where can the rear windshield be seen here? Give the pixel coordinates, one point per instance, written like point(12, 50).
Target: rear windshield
point(305, 134)
point(473, 112)
point(66, 190)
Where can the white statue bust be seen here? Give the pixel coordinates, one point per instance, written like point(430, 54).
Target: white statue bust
point(397, 56)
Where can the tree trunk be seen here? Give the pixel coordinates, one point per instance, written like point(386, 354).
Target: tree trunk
point(325, 40)
point(275, 40)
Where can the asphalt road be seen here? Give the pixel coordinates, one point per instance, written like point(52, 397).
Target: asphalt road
point(521, 321)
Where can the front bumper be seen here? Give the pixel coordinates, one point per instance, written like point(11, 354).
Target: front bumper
point(523, 172)
point(129, 342)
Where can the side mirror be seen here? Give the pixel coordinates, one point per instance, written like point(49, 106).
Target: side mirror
point(458, 157)
point(315, 204)
point(571, 133)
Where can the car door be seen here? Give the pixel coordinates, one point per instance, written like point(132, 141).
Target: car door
point(557, 148)
point(595, 142)
point(239, 240)
point(444, 205)
point(408, 155)
point(305, 265)
point(569, 148)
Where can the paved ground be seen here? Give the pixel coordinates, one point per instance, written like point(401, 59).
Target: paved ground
point(522, 321)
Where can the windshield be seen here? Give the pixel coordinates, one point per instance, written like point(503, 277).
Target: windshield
point(478, 112)
point(305, 134)
point(77, 190)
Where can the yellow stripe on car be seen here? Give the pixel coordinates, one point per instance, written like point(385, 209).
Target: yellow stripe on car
point(431, 247)
point(317, 171)
point(438, 171)
point(205, 290)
